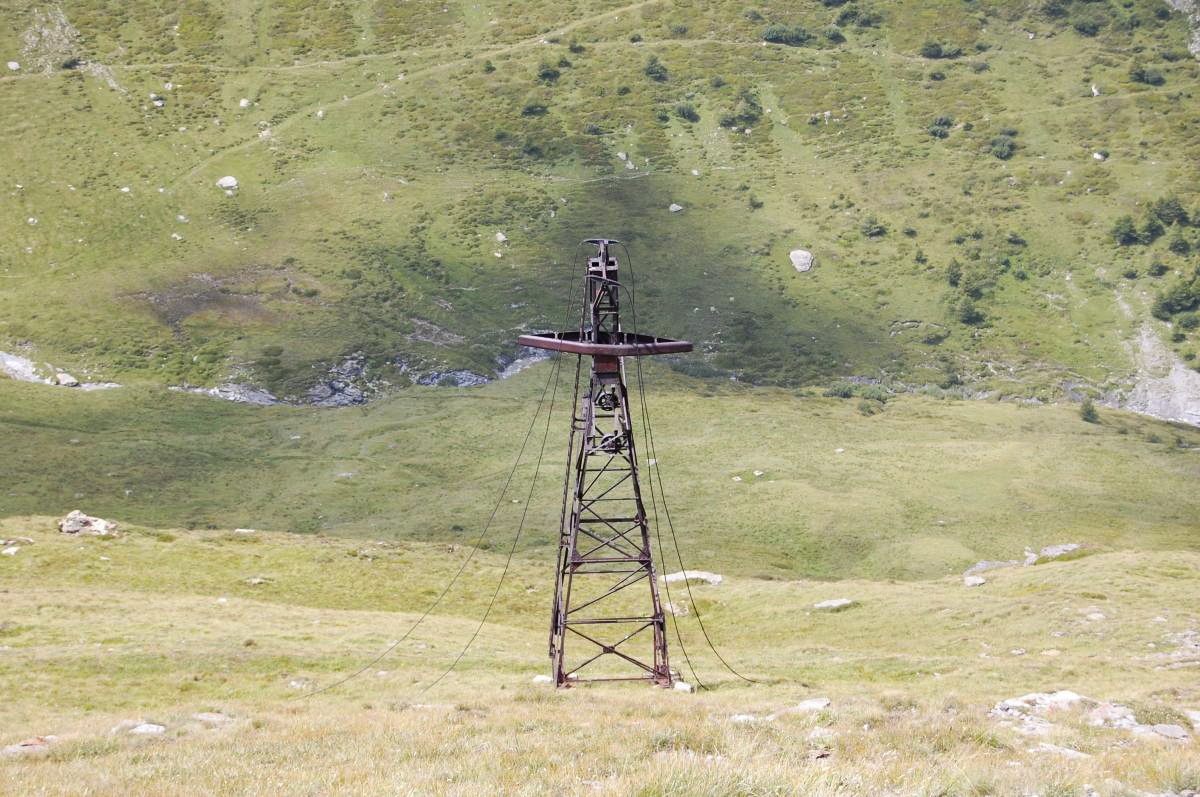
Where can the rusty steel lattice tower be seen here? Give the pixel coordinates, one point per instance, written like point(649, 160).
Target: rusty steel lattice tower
point(603, 611)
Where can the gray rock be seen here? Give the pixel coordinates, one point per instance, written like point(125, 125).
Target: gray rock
point(974, 581)
point(674, 208)
point(835, 604)
point(228, 182)
point(36, 747)
point(682, 686)
point(65, 379)
point(212, 719)
point(78, 523)
point(1171, 731)
point(989, 564)
point(1111, 715)
point(543, 679)
point(802, 259)
point(694, 576)
point(1055, 551)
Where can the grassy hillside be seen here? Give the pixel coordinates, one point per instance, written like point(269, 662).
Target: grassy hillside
point(158, 625)
point(921, 487)
point(382, 146)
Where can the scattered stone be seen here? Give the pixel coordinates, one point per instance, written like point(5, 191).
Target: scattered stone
point(78, 523)
point(228, 182)
point(809, 705)
point(737, 478)
point(1100, 156)
point(989, 564)
point(974, 581)
point(65, 379)
point(543, 679)
point(677, 610)
point(212, 718)
point(321, 114)
point(11, 550)
point(257, 580)
point(1111, 715)
point(835, 604)
point(1046, 747)
point(243, 103)
point(31, 221)
point(682, 686)
point(621, 156)
point(138, 728)
point(501, 237)
point(1095, 90)
point(802, 259)
point(1057, 551)
point(747, 718)
point(675, 208)
point(1045, 701)
point(244, 531)
point(36, 747)
point(693, 576)
point(1096, 616)
point(1176, 732)
point(14, 66)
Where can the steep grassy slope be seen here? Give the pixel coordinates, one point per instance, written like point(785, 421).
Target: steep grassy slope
point(158, 625)
point(924, 487)
point(382, 147)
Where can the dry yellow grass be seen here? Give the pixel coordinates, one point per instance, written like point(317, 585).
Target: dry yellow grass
point(912, 672)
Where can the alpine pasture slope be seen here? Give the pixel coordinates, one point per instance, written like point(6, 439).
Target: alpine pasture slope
point(411, 182)
point(957, 169)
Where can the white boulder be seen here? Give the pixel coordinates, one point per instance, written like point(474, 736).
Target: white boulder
point(974, 581)
point(78, 523)
point(65, 379)
point(674, 208)
point(692, 576)
point(542, 679)
point(243, 103)
point(834, 604)
point(13, 66)
point(802, 259)
point(683, 686)
point(228, 182)
point(501, 237)
point(36, 747)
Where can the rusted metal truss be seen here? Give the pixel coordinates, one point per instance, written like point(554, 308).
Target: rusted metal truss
point(606, 601)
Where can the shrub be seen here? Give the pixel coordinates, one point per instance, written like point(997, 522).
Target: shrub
point(687, 112)
point(1055, 9)
point(935, 76)
point(679, 29)
point(840, 389)
point(1140, 73)
point(1179, 245)
point(782, 34)
point(968, 313)
point(533, 109)
point(847, 16)
point(833, 3)
point(489, 67)
point(1089, 24)
point(1087, 411)
point(954, 273)
point(753, 15)
point(835, 36)
point(1188, 321)
point(548, 73)
point(716, 81)
point(1002, 147)
point(754, 202)
point(1130, 273)
point(1157, 269)
point(575, 47)
point(635, 38)
point(873, 228)
point(1124, 232)
point(867, 408)
point(933, 50)
point(1151, 231)
point(1169, 210)
point(655, 70)
point(622, 91)
point(873, 393)
point(564, 63)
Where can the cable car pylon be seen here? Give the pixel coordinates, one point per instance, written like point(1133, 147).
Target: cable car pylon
point(603, 612)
